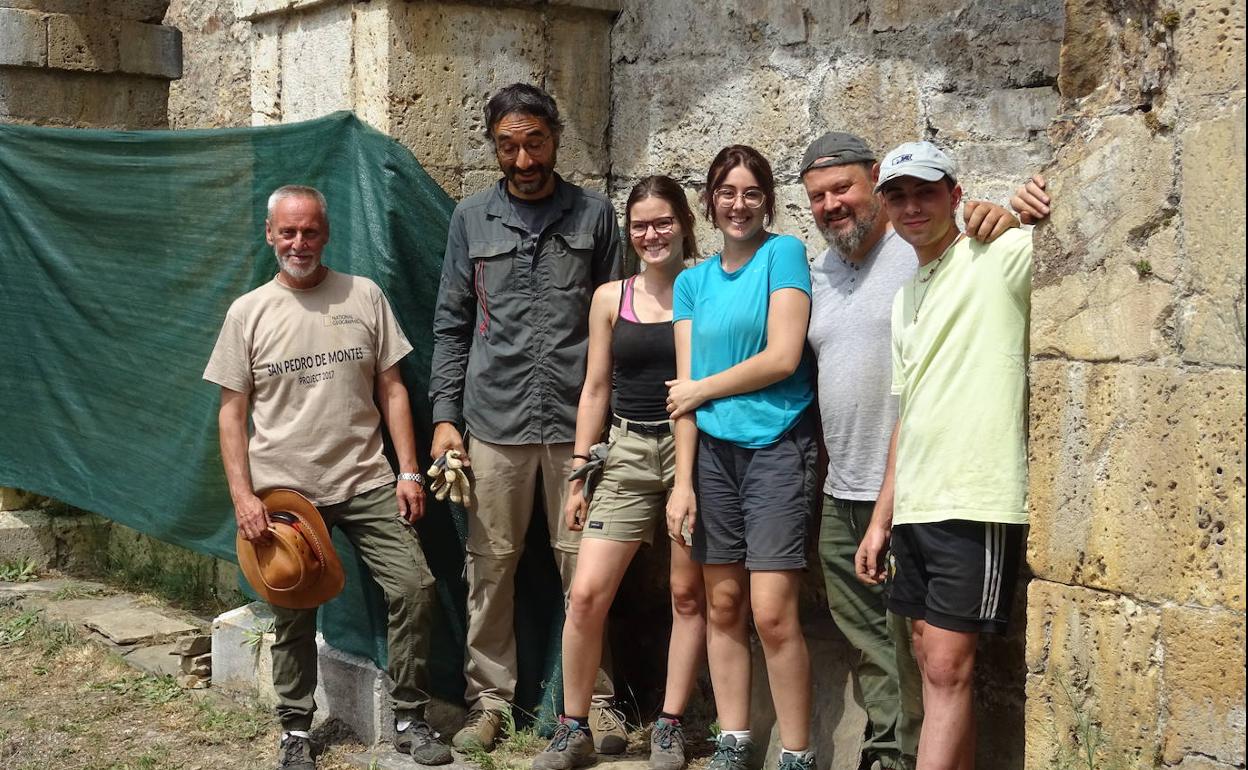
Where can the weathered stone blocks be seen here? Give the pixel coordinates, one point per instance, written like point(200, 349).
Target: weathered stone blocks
point(1093, 676)
point(876, 98)
point(1209, 42)
point(23, 38)
point(1203, 681)
point(1137, 480)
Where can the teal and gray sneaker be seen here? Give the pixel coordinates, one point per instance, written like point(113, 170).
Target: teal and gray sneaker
point(571, 746)
point(667, 745)
point(790, 761)
point(729, 755)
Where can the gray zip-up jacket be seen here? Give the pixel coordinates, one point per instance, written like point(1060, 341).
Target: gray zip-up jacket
point(512, 323)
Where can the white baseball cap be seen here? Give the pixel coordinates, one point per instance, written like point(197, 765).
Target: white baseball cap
point(923, 160)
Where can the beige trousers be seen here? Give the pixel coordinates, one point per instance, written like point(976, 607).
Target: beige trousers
point(505, 480)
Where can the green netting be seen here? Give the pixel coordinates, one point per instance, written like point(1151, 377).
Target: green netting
point(119, 255)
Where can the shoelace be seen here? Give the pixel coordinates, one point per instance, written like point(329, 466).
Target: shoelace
point(559, 741)
point(295, 749)
point(731, 754)
point(792, 762)
point(475, 718)
point(614, 717)
point(669, 733)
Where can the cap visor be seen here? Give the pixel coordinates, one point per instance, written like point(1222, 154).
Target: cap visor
point(926, 173)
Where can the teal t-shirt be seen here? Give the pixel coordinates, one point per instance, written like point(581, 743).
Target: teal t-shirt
point(729, 315)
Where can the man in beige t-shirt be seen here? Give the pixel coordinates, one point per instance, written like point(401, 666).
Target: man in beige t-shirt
point(312, 356)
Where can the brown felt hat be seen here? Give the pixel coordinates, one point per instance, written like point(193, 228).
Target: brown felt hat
point(297, 568)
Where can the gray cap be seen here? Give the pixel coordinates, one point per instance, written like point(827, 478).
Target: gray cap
point(923, 160)
point(836, 149)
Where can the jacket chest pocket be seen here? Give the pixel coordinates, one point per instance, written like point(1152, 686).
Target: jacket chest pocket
point(570, 257)
point(493, 266)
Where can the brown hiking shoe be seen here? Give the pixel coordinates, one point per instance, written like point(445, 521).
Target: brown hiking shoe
point(480, 730)
point(607, 725)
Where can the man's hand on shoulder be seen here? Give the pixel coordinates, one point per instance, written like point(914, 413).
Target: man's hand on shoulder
point(1031, 201)
point(252, 518)
point(986, 221)
point(445, 438)
point(411, 497)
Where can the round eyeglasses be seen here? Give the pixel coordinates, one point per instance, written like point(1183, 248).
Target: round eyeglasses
point(726, 197)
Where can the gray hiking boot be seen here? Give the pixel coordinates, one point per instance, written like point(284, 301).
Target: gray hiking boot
point(295, 753)
point(420, 741)
point(667, 745)
point(728, 755)
point(790, 761)
point(607, 726)
point(571, 746)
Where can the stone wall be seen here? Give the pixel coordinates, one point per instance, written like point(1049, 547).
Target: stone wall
point(215, 89)
point(418, 71)
point(86, 63)
point(690, 77)
point(1135, 628)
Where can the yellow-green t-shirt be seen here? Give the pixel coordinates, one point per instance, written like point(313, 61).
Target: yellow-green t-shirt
point(960, 371)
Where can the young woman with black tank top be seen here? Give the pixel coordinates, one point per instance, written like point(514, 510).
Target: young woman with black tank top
point(632, 355)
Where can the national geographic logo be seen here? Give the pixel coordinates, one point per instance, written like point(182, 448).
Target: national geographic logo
point(340, 319)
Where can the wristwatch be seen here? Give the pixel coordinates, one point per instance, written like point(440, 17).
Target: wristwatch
point(418, 478)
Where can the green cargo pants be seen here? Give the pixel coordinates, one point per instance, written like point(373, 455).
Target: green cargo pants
point(392, 552)
point(887, 673)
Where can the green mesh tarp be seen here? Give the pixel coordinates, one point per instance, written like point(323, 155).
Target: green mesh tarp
point(119, 255)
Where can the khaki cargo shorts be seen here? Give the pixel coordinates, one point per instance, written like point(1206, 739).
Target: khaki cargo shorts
point(630, 502)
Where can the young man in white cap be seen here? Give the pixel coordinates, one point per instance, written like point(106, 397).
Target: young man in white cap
point(953, 504)
point(854, 281)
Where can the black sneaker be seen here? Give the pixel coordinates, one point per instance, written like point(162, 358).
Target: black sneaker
point(295, 753)
point(420, 741)
point(667, 745)
point(728, 755)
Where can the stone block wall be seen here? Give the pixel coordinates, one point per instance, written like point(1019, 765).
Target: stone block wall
point(689, 77)
point(1135, 626)
point(86, 63)
point(422, 72)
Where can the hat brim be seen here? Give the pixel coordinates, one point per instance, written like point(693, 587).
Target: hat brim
point(318, 589)
point(916, 170)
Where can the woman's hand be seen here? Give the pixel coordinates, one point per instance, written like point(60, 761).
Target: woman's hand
point(684, 396)
point(575, 510)
point(682, 512)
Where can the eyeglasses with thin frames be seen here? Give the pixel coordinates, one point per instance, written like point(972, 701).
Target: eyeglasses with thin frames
point(662, 226)
point(726, 197)
point(533, 147)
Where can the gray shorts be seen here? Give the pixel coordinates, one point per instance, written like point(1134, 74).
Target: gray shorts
point(755, 505)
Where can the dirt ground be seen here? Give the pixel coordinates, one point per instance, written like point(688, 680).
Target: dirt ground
point(68, 704)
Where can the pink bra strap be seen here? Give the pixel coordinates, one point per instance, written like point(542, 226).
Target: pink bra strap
point(626, 301)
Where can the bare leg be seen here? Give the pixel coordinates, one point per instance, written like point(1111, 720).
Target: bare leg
point(600, 567)
point(947, 660)
point(688, 643)
point(774, 597)
point(728, 642)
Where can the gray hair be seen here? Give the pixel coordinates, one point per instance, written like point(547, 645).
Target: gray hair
point(297, 191)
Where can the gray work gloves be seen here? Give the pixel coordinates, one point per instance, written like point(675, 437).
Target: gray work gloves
point(447, 477)
point(591, 471)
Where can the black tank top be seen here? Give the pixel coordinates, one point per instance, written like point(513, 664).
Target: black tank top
point(644, 358)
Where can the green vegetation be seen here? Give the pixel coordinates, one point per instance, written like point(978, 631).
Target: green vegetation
point(1143, 268)
point(21, 571)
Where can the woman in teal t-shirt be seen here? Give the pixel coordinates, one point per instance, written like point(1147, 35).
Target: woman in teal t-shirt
point(740, 402)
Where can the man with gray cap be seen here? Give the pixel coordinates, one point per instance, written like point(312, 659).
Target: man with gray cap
point(953, 505)
point(854, 281)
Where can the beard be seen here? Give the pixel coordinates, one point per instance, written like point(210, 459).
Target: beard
point(847, 242)
point(294, 271)
point(533, 186)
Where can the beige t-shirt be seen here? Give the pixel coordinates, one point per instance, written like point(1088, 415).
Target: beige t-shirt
point(309, 359)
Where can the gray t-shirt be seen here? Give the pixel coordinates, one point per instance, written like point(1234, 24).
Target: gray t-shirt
point(850, 334)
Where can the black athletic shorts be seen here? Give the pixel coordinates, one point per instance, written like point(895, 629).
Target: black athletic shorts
point(755, 505)
point(958, 575)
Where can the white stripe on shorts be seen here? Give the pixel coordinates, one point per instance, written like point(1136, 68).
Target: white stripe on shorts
point(994, 554)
